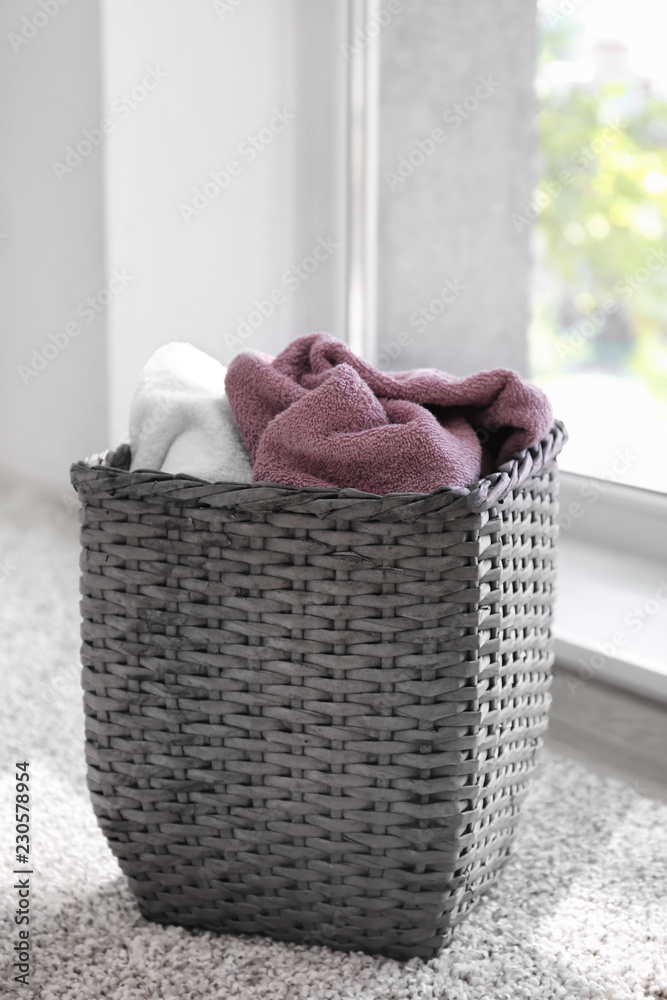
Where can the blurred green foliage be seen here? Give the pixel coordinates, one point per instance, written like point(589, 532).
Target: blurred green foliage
point(601, 205)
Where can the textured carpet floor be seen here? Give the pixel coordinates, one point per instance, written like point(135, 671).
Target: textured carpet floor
point(580, 912)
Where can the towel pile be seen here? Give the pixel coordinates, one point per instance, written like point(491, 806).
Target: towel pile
point(317, 415)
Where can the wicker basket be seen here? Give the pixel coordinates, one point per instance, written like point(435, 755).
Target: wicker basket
point(313, 713)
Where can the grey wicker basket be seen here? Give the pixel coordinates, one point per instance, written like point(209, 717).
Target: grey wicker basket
point(313, 713)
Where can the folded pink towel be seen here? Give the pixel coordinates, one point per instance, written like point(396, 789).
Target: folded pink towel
point(317, 415)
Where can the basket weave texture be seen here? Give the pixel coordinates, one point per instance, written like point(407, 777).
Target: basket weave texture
point(313, 713)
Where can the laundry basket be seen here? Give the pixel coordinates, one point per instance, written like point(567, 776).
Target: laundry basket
point(313, 713)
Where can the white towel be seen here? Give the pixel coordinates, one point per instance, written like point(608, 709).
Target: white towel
point(181, 420)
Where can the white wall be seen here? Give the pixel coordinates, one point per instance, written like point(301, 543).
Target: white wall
point(226, 70)
point(220, 70)
point(51, 248)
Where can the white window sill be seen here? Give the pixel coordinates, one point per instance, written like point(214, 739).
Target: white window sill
point(611, 614)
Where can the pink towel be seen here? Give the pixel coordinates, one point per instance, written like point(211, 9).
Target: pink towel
point(317, 415)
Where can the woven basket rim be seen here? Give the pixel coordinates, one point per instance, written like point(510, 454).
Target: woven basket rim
point(93, 480)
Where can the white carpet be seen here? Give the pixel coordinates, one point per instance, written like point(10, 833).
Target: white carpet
point(581, 911)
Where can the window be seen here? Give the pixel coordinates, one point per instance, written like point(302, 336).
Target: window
point(598, 339)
